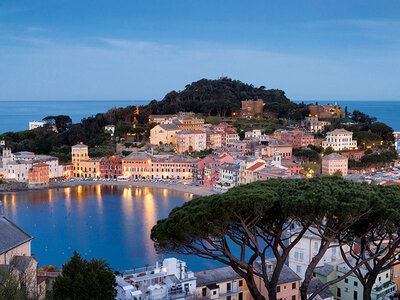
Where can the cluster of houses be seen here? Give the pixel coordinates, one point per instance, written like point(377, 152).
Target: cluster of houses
point(231, 161)
point(171, 278)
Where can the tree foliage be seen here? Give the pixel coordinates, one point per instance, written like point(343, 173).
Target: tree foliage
point(240, 227)
point(82, 279)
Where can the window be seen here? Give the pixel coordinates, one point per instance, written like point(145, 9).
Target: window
point(204, 292)
point(301, 255)
point(278, 288)
point(229, 298)
point(346, 280)
point(228, 286)
point(355, 283)
point(240, 282)
point(240, 296)
point(346, 289)
point(339, 292)
point(293, 285)
point(316, 246)
point(298, 269)
point(396, 273)
point(355, 295)
point(294, 297)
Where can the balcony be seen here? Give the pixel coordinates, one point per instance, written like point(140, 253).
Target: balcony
point(384, 290)
point(231, 292)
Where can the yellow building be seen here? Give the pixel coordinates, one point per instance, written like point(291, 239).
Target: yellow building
point(188, 123)
point(84, 167)
point(163, 134)
point(221, 283)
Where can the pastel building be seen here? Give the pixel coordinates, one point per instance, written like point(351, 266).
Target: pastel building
point(296, 138)
point(221, 283)
point(334, 163)
point(171, 167)
point(231, 136)
point(339, 139)
point(191, 141)
point(110, 167)
point(214, 139)
point(84, 166)
point(137, 165)
point(351, 287)
point(168, 280)
point(163, 134)
point(39, 174)
point(313, 124)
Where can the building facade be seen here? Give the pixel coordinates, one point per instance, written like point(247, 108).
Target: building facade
point(339, 139)
point(334, 163)
point(191, 141)
point(163, 134)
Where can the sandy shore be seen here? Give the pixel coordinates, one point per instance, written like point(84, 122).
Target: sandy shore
point(195, 190)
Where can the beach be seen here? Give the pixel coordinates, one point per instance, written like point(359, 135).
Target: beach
point(179, 187)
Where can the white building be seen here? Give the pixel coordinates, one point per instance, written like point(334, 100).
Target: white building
point(36, 124)
point(315, 125)
point(167, 280)
point(305, 250)
point(255, 133)
point(333, 163)
point(339, 139)
point(110, 129)
point(16, 166)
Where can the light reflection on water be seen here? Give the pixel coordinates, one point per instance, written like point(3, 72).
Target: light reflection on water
point(112, 222)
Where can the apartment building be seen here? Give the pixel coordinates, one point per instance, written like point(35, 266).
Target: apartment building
point(339, 139)
point(313, 124)
point(169, 280)
point(335, 163)
point(84, 166)
point(39, 174)
point(191, 141)
point(296, 138)
point(171, 167)
point(350, 287)
point(137, 165)
point(222, 284)
point(110, 167)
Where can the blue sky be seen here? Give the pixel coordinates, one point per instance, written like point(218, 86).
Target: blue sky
point(317, 49)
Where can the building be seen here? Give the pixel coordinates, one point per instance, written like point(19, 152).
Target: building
point(36, 124)
point(169, 280)
point(163, 134)
point(162, 119)
point(188, 123)
point(39, 174)
point(191, 141)
point(214, 139)
point(288, 282)
point(313, 124)
point(296, 138)
point(221, 283)
point(110, 129)
point(255, 133)
point(171, 167)
point(339, 139)
point(15, 257)
point(110, 167)
point(67, 169)
point(231, 136)
point(314, 285)
point(334, 163)
point(251, 108)
point(248, 166)
point(305, 250)
point(84, 166)
point(326, 111)
point(274, 146)
point(16, 166)
point(228, 176)
point(353, 155)
point(137, 165)
point(351, 287)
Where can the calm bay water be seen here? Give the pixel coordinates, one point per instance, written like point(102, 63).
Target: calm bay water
point(15, 115)
point(385, 111)
point(112, 222)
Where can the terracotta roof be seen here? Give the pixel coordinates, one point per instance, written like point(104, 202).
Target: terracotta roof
point(40, 165)
point(256, 166)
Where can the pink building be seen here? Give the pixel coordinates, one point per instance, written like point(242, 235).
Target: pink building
point(191, 141)
point(297, 138)
point(214, 139)
point(353, 155)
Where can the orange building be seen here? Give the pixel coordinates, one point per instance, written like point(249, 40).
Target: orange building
point(326, 111)
point(39, 174)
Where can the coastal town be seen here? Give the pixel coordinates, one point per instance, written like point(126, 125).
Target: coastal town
point(184, 149)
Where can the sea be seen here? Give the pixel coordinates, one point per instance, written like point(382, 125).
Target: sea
point(15, 115)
